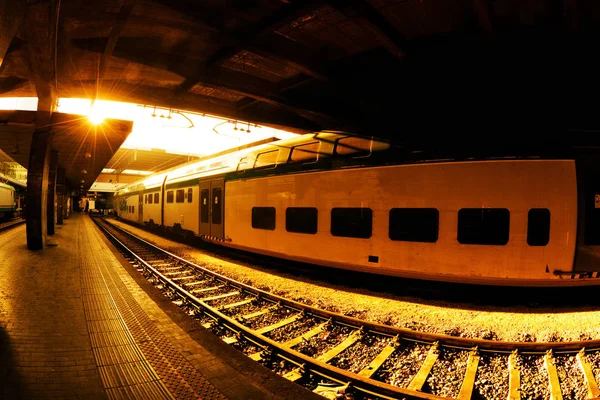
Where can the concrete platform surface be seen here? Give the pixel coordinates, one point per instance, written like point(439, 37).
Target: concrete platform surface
point(78, 322)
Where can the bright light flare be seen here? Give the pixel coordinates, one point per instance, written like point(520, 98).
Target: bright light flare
point(96, 115)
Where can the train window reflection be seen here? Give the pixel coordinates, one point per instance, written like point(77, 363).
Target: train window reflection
point(538, 227)
point(483, 226)
point(354, 146)
point(266, 159)
point(306, 153)
point(263, 218)
point(301, 219)
point(414, 224)
point(352, 222)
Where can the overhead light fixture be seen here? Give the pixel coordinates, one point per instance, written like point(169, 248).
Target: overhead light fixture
point(83, 181)
point(83, 171)
point(87, 154)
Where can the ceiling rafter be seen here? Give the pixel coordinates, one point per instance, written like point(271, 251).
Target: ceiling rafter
point(246, 36)
point(11, 17)
point(12, 83)
point(211, 18)
point(115, 33)
point(371, 19)
point(215, 77)
point(164, 97)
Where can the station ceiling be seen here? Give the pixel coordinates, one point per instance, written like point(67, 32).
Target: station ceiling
point(462, 70)
point(83, 150)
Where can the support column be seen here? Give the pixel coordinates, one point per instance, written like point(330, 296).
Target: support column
point(40, 35)
point(50, 213)
point(60, 194)
point(37, 187)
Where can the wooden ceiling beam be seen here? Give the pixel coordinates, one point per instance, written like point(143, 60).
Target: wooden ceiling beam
point(12, 14)
point(115, 32)
point(245, 37)
point(371, 19)
point(40, 34)
point(217, 78)
point(12, 83)
point(290, 52)
point(211, 18)
point(165, 97)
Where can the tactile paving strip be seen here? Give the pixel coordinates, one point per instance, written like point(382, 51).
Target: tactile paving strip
point(181, 378)
point(124, 371)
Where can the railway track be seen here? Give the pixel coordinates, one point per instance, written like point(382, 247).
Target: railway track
point(338, 355)
point(11, 224)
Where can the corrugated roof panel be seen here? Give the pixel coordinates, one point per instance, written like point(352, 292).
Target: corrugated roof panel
point(218, 93)
point(330, 30)
point(266, 68)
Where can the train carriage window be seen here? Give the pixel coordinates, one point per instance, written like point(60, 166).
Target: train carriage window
point(190, 194)
point(538, 227)
point(204, 206)
point(483, 226)
point(352, 222)
point(353, 146)
point(133, 209)
point(179, 196)
point(150, 196)
point(156, 198)
point(146, 199)
point(263, 218)
point(414, 224)
point(301, 219)
point(306, 153)
point(216, 206)
point(243, 165)
point(266, 159)
point(170, 196)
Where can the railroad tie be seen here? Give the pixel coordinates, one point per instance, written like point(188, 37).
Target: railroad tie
point(514, 377)
point(419, 379)
point(469, 380)
point(588, 375)
point(370, 369)
point(555, 393)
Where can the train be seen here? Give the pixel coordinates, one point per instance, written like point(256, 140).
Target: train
point(338, 200)
point(12, 198)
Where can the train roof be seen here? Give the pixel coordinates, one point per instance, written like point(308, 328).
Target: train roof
point(227, 161)
point(12, 182)
point(5, 186)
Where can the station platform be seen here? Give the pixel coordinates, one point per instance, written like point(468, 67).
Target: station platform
point(77, 322)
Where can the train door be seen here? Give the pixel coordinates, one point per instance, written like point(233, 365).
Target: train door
point(587, 257)
point(141, 208)
point(211, 208)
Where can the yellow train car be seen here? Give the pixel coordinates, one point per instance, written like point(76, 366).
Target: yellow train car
point(337, 200)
